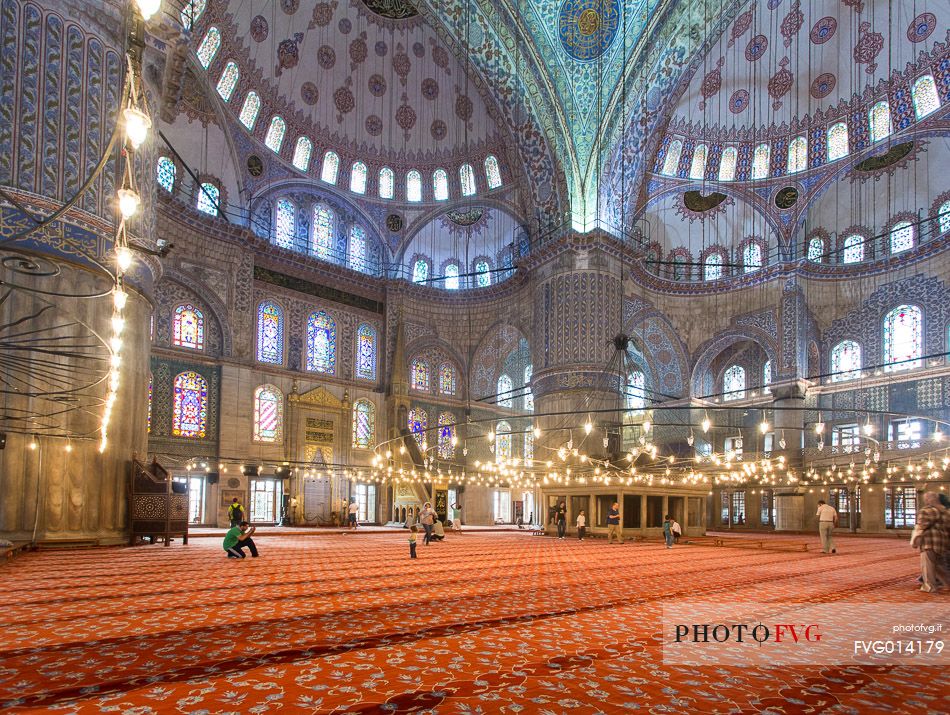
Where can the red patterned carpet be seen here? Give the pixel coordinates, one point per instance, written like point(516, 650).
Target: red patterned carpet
point(482, 623)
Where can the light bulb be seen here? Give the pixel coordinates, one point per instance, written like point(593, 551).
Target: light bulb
point(588, 427)
point(116, 343)
point(120, 298)
point(763, 427)
point(537, 433)
point(69, 446)
point(819, 427)
point(148, 7)
point(706, 424)
point(491, 436)
point(647, 425)
point(128, 203)
point(33, 443)
point(938, 435)
point(102, 444)
point(868, 428)
point(123, 258)
point(118, 324)
point(137, 125)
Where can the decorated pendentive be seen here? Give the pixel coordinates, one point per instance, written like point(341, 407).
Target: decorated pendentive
point(587, 28)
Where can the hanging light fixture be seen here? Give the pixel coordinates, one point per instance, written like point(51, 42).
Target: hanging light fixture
point(147, 8)
point(128, 202)
point(137, 124)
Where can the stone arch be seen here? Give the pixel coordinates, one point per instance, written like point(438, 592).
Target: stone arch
point(498, 342)
point(432, 347)
point(191, 284)
point(661, 347)
point(702, 379)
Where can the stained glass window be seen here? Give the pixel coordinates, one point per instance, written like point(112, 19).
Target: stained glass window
point(440, 185)
point(467, 178)
point(845, 361)
point(420, 271)
point(419, 374)
point(357, 253)
point(446, 433)
point(697, 169)
point(386, 183)
point(672, 160)
point(268, 414)
point(903, 338)
point(366, 352)
point(447, 379)
point(270, 333)
point(321, 343)
point(751, 257)
point(902, 236)
point(188, 327)
point(165, 172)
point(926, 100)
point(727, 164)
point(943, 216)
point(331, 165)
point(767, 376)
point(209, 46)
point(228, 80)
point(528, 395)
point(191, 12)
point(452, 276)
point(208, 197)
point(323, 232)
point(418, 422)
point(275, 134)
point(249, 110)
point(148, 418)
point(733, 383)
point(414, 186)
point(492, 172)
point(482, 274)
point(503, 441)
point(712, 267)
point(797, 155)
point(880, 120)
point(760, 161)
point(816, 249)
point(635, 394)
point(358, 177)
point(364, 424)
point(838, 141)
point(853, 248)
point(504, 399)
point(302, 153)
point(190, 405)
point(529, 444)
point(284, 220)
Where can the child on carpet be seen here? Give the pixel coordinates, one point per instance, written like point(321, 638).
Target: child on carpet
point(413, 530)
point(581, 525)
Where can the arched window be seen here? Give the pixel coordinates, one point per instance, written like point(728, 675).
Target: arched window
point(420, 271)
point(482, 273)
point(760, 161)
point(751, 257)
point(924, 92)
point(190, 13)
point(268, 414)
point(358, 177)
point(680, 269)
point(447, 379)
point(366, 352)
point(452, 276)
point(270, 333)
point(190, 405)
point(712, 267)
point(209, 46)
point(414, 186)
point(364, 424)
point(275, 134)
point(440, 185)
point(357, 252)
point(767, 376)
point(733, 383)
point(419, 374)
point(816, 249)
point(635, 394)
point(323, 224)
point(387, 181)
point(467, 179)
point(845, 361)
point(208, 196)
point(697, 169)
point(672, 160)
point(302, 153)
point(249, 110)
point(331, 165)
point(727, 164)
point(528, 395)
point(284, 221)
point(902, 236)
point(879, 119)
point(797, 155)
point(418, 423)
point(943, 217)
point(503, 440)
point(903, 338)
point(446, 435)
point(228, 80)
point(492, 172)
point(188, 327)
point(165, 173)
point(838, 141)
point(504, 399)
point(321, 343)
point(853, 248)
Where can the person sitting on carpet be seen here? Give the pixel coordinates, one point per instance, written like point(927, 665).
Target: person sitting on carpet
point(438, 533)
point(237, 538)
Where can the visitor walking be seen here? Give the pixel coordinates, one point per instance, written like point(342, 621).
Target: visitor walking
point(677, 530)
point(581, 525)
point(561, 520)
point(237, 538)
point(235, 512)
point(427, 518)
point(668, 531)
point(354, 510)
point(413, 530)
point(932, 537)
point(457, 518)
point(613, 524)
point(827, 521)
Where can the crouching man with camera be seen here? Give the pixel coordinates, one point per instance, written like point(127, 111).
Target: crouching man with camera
point(237, 538)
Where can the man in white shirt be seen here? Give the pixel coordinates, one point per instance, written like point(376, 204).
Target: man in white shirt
point(827, 521)
point(354, 510)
